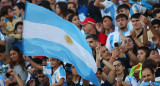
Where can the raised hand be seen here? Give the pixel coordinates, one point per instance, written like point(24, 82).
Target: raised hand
point(155, 40)
point(26, 58)
point(11, 71)
point(133, 34)
point(99, 27)
point(115, 52)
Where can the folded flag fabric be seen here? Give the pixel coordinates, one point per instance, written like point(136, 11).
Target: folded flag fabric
point(47, 34)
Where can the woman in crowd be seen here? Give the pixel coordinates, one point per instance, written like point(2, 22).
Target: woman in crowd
point(75, 20)
point(122, 77)
point(60, 8)
point(17, 63)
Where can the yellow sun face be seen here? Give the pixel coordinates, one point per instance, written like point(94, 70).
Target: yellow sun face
point(68, 39)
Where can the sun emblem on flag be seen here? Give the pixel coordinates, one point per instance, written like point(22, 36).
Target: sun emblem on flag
point(68, 39)
point(136, 11)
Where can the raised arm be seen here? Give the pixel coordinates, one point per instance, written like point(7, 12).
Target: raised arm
point(19, 80)
point(97, 4)
point(33, 64)
point(112, 73)
point(137, 41)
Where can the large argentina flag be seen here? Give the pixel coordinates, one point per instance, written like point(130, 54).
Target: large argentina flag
point(47, 34)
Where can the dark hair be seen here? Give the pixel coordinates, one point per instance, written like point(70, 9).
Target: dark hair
point(21, 61)
point(125, 70)
point(155, 21)
point(156, 12)
point(122, 6)
point(146, 50)
point(71, 17)
point(95, 38)
point(20, 5)
point(2, 49)
point(150, 68)
point(136, 15)
point(37, 60)
point(39, 71)
point(44, 58)
point(106, 17)
point(135, 45)
point(45, 4)
point(71, 3)
point(68, 12)
point(149, 63)
point(100, 69)
point(121, 16)
point(157, 5)
point(17, 24)
point(4, 10)
point(62, 6)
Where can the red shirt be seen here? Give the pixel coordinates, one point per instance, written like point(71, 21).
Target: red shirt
point(102, 37)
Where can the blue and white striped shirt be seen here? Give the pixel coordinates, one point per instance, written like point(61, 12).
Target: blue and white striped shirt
point(136, 8)
point(115, 37)
point(57, 75)
point(110, 9)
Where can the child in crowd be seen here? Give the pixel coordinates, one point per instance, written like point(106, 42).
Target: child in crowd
point(55, 72)
point(142, 55)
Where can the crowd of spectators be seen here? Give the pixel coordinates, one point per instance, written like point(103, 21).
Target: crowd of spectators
point(124, 36)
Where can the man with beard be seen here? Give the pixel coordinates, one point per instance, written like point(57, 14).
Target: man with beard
point(117, 37)
point(92, 41)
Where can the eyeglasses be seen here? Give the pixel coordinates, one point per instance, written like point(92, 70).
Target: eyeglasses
point(118, 65)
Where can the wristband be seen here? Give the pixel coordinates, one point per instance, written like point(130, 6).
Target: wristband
point(113, 58)
point(101, 60)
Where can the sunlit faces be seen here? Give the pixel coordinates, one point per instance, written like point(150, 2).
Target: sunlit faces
point(157, 28)
point(76, 21)
point(107, 23)
point(92, 43)
point(141, 55)
point(74, 72)
point(129, 43)
point(105, 53)
point(147, 75)
point(122, 22)
point(136, 23)
point(99, 75)
point(19, 29)
point(157, 16)
point(58, 10)
point(54, 62)
point(154, 55)
point(10, 13)
point(16, 10)
point(72, 7)
point(4, 3)
point(119, 67)
point(42, 78)
point(2, 56)
point(87, 28)
point(14, 55)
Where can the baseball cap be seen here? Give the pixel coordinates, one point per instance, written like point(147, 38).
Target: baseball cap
point(89, 20)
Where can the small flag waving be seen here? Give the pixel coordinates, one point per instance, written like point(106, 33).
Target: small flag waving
point(46, 34)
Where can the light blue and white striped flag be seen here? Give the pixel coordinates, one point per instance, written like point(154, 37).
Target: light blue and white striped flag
point(47, 34)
